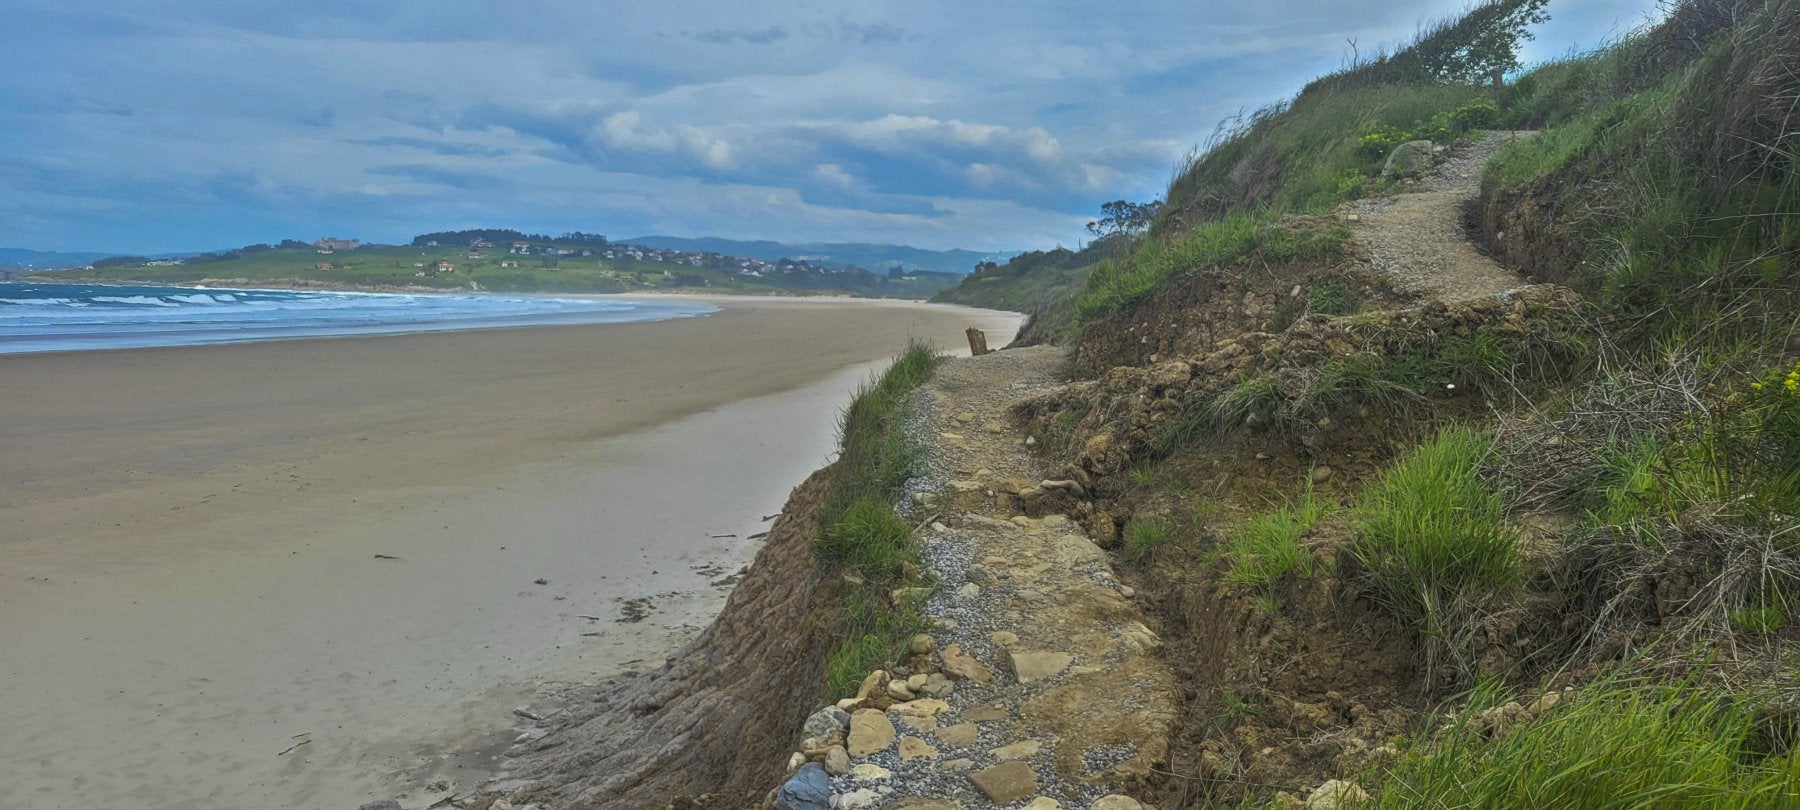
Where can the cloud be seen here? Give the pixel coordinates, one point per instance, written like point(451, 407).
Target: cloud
point(721, 36)
point(833, 174)
point(156, 125)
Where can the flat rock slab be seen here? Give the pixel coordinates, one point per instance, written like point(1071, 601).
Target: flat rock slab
point(870, 731)
point(1007, 782)
point(1036, 666)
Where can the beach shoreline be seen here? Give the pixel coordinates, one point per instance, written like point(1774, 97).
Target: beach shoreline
point(194, 584)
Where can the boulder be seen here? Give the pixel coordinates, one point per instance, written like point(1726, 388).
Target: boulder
point(1409, 159)
point(827, 722)
point(809, 789)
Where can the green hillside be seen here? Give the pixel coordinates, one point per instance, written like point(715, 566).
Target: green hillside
point(574, 267)
point(1527, 544)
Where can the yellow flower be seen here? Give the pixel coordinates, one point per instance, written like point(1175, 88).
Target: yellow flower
point(1756, 386)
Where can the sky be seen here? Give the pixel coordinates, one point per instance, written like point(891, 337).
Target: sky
point(166, 125)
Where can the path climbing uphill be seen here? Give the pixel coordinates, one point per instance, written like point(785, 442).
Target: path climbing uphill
point(1418, 236)
point(1040, 686)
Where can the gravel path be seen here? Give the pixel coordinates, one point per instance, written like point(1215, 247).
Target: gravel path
point(1059, 698)
point(1419, 237)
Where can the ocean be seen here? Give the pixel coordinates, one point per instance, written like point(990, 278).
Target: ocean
point(37, 317)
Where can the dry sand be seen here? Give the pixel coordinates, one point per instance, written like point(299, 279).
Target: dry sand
point(190, 584)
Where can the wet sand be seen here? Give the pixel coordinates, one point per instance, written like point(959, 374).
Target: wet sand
point(190, 584)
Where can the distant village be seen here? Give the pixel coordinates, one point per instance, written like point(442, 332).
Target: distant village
point(482, 249)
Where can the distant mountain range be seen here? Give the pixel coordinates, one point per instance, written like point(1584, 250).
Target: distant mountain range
point(867, 256)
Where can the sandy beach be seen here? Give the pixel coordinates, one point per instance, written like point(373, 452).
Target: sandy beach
point(303, 573)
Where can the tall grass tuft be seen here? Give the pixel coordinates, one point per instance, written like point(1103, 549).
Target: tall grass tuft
point(1268, 548)
point(1434, 541)
point(1612, 745)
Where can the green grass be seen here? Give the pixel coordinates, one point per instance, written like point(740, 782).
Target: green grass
point(1268, 548)
point(1145, 537)
point(1236, 239)
point(858, 527)
point(1612, 745)
point(1432, 536)
point(1294, 156)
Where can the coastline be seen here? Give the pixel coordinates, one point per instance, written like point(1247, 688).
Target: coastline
point(173, 533)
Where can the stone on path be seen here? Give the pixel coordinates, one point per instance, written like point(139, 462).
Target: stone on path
point(870, 772)
point(986, 714)
point(959, 735)
point(1035, 666)
point(1043, 803)
point(1116, 801)
point(809, 789)
point(964, 667)
point(929, 804)
point(1018, 750)
point(380, 804)
point(924, 707)
point(922, 644)
point(870, 731)
point(837, 761)
point(1007, 782)
point(915, 748)
point(859, 799)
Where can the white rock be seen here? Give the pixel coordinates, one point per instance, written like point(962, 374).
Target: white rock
point(969, 590)
point(1334, 794)
point(1116, 801)
point(870, 772)
point(859, 799)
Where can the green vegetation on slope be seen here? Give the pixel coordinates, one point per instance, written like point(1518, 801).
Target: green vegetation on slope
point(859, 530)
point(1042, 284)
point(1607, 481)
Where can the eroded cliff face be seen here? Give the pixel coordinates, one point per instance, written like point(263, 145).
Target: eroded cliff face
point(708, 729)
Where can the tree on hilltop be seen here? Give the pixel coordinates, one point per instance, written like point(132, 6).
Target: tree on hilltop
point(1124, 217)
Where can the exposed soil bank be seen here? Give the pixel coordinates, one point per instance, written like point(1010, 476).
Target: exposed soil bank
point(192, 584)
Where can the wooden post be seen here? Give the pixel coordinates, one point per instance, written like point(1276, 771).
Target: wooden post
point(977, 342)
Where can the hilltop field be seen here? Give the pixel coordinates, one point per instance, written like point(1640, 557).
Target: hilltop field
point(459, 260)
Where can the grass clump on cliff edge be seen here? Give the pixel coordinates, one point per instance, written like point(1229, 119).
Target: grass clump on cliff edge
point(1613, 744)
point(1234, 239)
point(859, 529)
point(1433, 539)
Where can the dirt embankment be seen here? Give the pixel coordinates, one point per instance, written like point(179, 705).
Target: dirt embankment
point(1229, 393)
point(709, 728)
